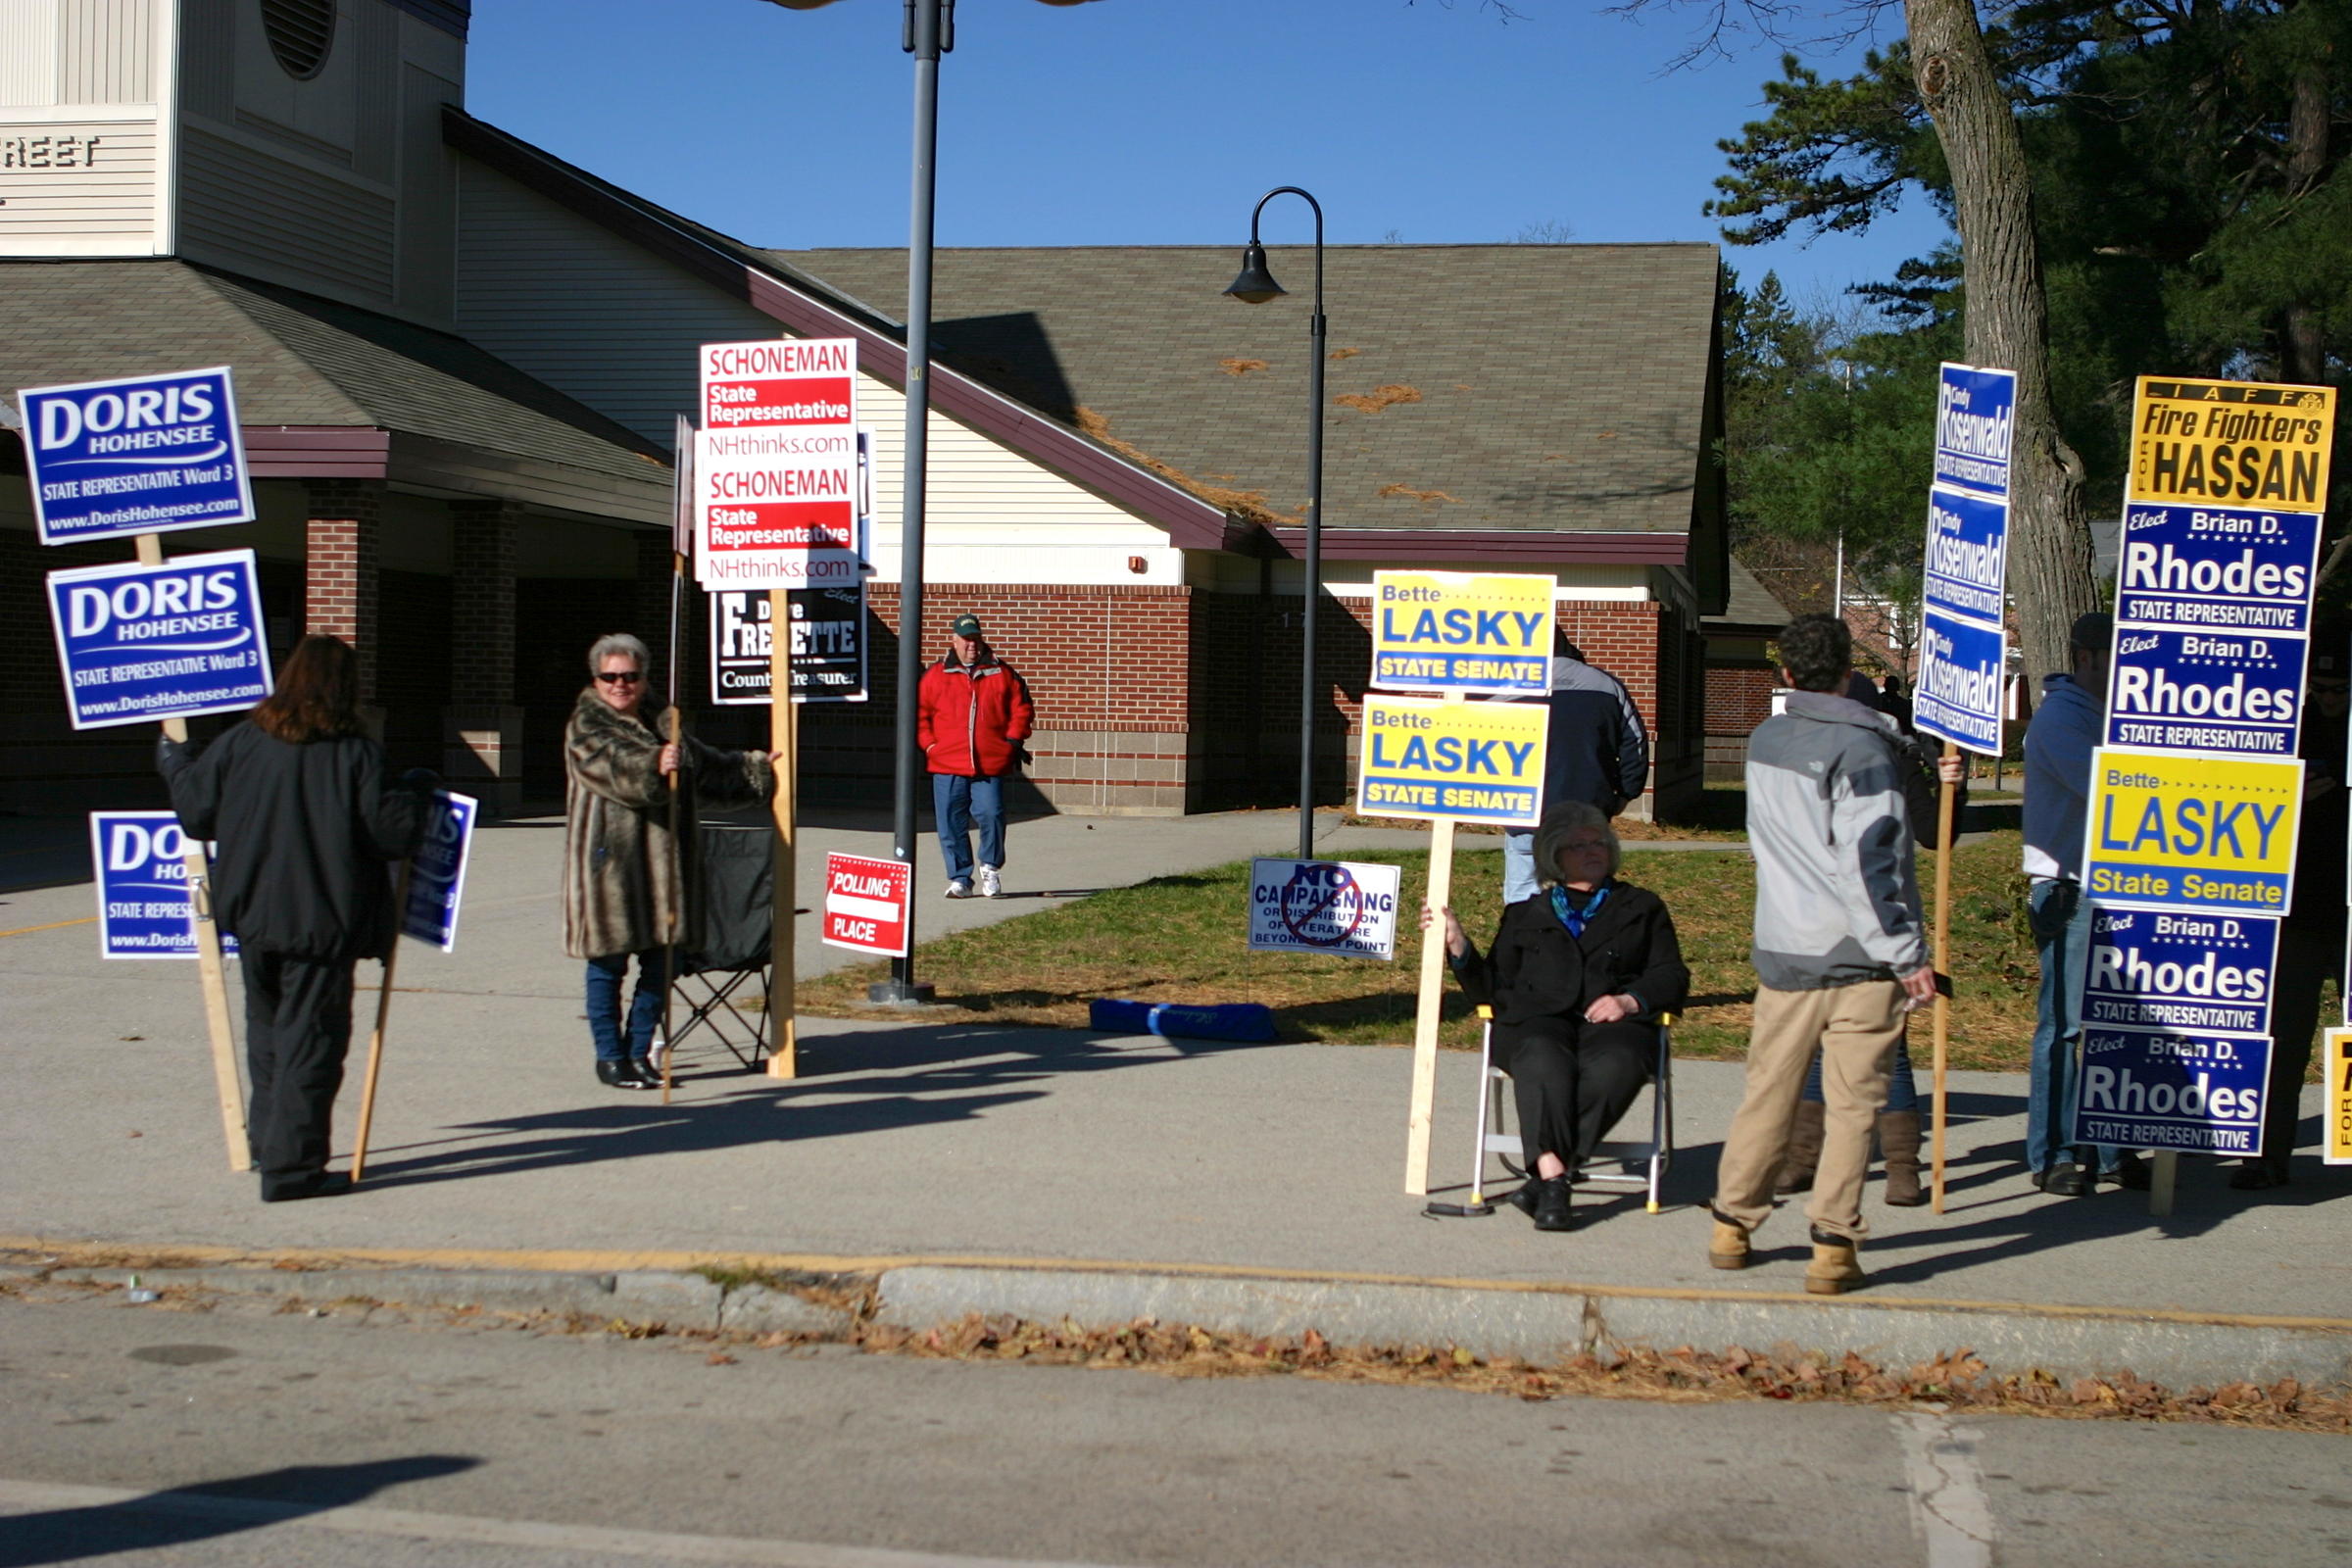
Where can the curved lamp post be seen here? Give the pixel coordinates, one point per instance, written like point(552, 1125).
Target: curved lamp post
point(1255, 286)
point(927, 32)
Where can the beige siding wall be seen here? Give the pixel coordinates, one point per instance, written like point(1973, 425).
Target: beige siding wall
point(27, 53)
point(269, 215)
point(582, 309)
point(76, 187)
point(106, 52)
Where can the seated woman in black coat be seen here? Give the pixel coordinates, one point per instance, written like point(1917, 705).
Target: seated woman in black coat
point(1577, 977)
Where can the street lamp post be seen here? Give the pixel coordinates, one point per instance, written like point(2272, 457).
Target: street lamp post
point(927, 32)
point(1255, 286)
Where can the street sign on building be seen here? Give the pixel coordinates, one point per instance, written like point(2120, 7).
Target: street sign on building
point(776, 476)
point(140, 643)
point(1466, 762)
point(1323, 907)
point(142, 879)
point(865, 903)
point(137, 454)
point(1441, 632)
point(437, 870)
point(829, 646)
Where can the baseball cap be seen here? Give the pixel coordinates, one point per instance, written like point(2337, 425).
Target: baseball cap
point(967, 625)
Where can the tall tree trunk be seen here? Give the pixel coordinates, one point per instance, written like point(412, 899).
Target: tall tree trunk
point(2007, 322)
point(2303, 347)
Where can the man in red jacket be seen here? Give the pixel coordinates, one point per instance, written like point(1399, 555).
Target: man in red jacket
point(974, 712)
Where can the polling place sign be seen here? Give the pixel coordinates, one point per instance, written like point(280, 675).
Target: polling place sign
point(1323, 907)
point(139, 454)
point(2230, 444)
point(866, 905)
point(140, 643)
point(829, 644)
point(2178, 1090)
point(2201, 973)
point(1441, 632)
point(1467, 762)
point(2213, 834)
point(142, 879)
point(437, 870)
point(776, 478)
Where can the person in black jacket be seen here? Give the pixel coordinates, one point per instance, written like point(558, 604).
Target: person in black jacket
point(308, 829)
point(1577, 976)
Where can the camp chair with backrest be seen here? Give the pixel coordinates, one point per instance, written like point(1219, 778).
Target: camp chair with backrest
point(729, 968)
point(1638, 1165)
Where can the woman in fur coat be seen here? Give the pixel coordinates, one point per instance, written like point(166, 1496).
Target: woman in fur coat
point(627, 883)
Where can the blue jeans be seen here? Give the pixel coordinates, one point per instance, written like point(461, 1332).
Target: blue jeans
point(1518, 865)
point(960, 801)
point(605, 977)
point(1902, 1092)
point(2061, 920)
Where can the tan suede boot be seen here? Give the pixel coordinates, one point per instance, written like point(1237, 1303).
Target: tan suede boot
point(1898, 1141)
point(1835, 1270)
point(1728, 1247)
point(1804, 1150)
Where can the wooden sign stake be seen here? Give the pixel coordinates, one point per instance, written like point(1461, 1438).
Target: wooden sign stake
point(1427, 1006)
point(383, 1011)
point(669, 957)
point(210, 973)
point(1942, 961)
point(784, 736)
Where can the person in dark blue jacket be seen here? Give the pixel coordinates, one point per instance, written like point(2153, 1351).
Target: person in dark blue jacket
point(308, 829)
point(1594, 751)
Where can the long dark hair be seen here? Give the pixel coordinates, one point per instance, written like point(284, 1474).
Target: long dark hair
point(318, 695)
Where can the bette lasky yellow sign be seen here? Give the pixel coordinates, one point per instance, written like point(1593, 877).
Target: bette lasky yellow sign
point(2178, 832)
point(1462, 631)
point(2230, 444)
point(1469, 761)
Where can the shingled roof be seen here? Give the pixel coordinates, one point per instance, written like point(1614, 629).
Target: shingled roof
point(1530, 388)
point(311, 366)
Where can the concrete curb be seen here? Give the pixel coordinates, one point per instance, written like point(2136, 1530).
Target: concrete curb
point(1537, 1324)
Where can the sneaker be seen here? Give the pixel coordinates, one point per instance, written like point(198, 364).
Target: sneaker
point(960, 889)
point(991, 886)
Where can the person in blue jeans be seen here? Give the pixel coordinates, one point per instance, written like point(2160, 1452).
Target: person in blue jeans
point(972, 713)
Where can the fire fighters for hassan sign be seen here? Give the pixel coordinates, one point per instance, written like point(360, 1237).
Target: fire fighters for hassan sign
point(775, 465)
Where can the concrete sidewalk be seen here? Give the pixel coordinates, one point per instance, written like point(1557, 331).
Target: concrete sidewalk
point(1048, 1172)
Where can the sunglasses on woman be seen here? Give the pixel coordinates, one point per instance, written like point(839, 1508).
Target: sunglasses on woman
point(620, 677)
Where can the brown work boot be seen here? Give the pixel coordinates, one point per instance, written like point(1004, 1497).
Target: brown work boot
point(1804, 1150)
point(1833, 1270)
point(1898, 1141)
point(1728, 1247)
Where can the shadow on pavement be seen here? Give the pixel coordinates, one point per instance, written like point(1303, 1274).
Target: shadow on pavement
point(161, 1520)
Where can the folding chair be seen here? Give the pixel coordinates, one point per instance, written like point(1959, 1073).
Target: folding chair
point(1636, 1166)
point(738, 876)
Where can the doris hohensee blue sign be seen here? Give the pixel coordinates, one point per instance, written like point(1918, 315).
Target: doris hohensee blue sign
point(2164, 1089)
point(141, 643)
point(2202, 973)
point(1976, 422)
point(141, 862)
point(140, 455)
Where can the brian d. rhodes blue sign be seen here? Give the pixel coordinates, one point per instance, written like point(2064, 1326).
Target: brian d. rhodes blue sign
point(2142, 1089)
point(2202, 691)
point(140, 643)
point(2201, 973)
point(142, 454)
point(1976, 419)
point(2206, 568)
point(1961, 665)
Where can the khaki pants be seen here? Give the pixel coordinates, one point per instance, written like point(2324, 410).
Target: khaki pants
point(1856, 1027)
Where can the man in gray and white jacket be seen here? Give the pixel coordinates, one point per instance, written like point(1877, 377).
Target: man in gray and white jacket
point(1840, 947)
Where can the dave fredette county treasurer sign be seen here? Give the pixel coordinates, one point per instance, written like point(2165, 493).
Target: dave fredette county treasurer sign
point(775, 465)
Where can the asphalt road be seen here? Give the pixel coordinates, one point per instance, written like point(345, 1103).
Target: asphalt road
point(152, 1435)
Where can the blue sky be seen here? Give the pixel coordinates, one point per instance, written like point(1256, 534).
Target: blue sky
point(1154, 122)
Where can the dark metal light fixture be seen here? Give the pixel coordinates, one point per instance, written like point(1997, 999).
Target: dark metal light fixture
point(1255, 285)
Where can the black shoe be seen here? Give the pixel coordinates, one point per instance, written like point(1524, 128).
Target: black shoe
point(620, 1073)
point(1524, 1200)
point(2066, 1179)
point(647, 1071)
point(1551, 1203)
point(310, 1184)
point(2133, 1175)
point(2257, 1176)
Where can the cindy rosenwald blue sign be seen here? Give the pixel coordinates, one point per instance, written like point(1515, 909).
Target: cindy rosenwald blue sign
point(140, 643)
point(143, 455)
point(1976, 419)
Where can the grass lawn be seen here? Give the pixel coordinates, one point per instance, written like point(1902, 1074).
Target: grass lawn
point(1182, 939)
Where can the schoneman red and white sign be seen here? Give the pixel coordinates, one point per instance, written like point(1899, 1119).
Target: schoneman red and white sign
point(865, 903)
point(775, 476)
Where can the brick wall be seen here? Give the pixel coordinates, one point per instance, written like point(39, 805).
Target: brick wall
point(481, 600)
point(1738, 699)
point(341, 585)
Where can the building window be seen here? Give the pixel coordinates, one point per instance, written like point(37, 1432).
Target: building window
point(300, 32)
